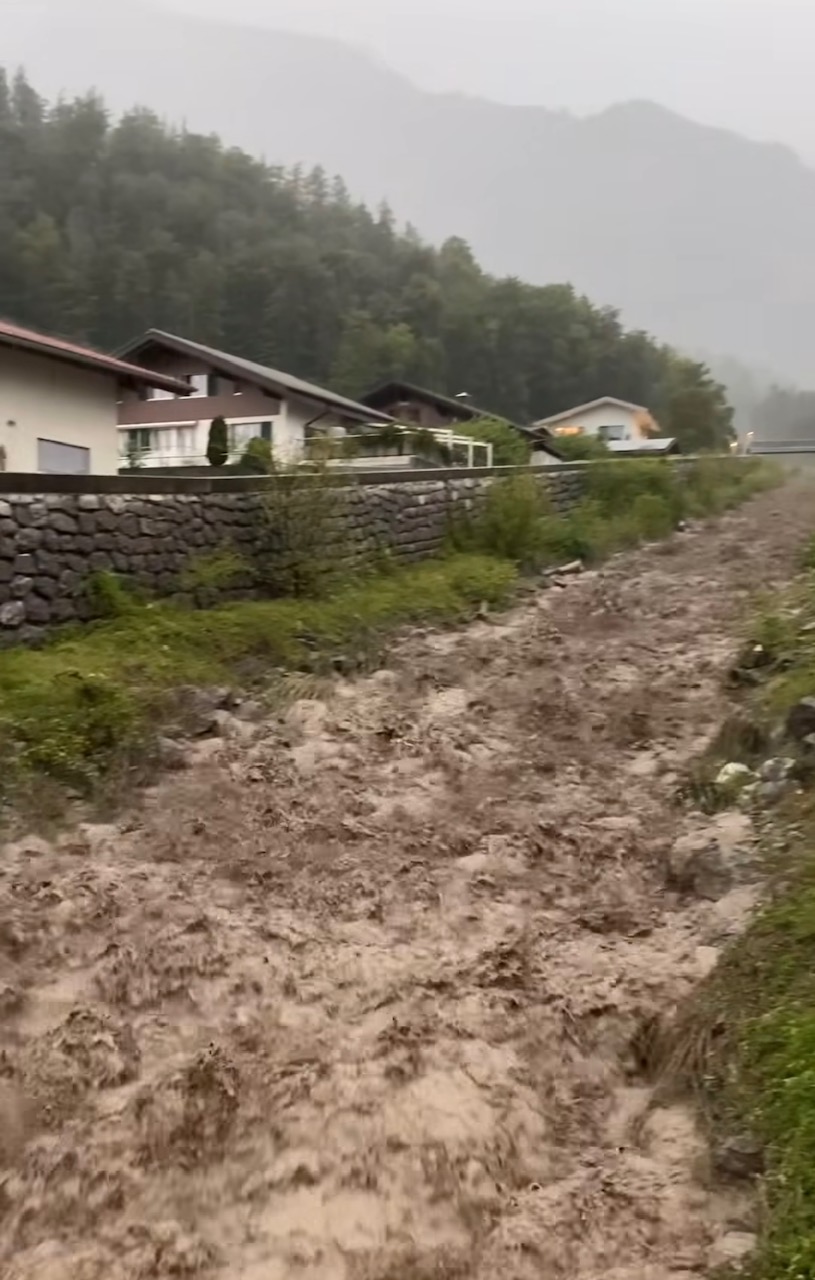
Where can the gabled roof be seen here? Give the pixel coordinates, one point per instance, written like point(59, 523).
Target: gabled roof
point(391, 392)
point(583, 408)
point(13, 335)
point(273, 380)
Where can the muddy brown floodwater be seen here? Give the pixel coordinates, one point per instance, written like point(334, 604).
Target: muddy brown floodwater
point(355, 998)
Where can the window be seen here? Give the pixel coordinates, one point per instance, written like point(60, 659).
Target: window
point(199, 383)
point(214, 385)
point(55, 458)
point(140, 440)
point(240, 433)
point(185, 441)
point(613, 432)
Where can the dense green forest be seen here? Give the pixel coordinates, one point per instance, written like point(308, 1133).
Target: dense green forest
point(110, 227)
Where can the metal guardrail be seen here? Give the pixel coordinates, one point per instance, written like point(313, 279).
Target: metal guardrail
point(768, 447)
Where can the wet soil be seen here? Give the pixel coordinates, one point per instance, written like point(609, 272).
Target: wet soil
point(361, 996)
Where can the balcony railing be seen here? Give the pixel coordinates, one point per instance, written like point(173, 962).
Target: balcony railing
point(398, 445)
point(146, 458)
point(392, 448)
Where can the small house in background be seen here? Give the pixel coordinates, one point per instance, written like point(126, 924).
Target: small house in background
point(416, 406)
point(59, 403)
point(624, 427)
point(163, 429)
point(607, 419)
point(429, 410)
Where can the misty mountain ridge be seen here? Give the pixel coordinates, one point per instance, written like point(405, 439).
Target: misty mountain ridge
point(695, 233)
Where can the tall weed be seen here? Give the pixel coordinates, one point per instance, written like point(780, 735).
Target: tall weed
point(511, 522)
point(306, 545)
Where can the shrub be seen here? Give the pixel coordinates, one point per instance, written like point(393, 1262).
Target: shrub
point(70, 726)
point(430, 449)
point(509, 447)
point(562, 538)
point(257, 457)
point(214, 570)
point(653, 515)
point(581, 448)
point(614, 486)
point(588, 534)
point(509, 523)
point(110, 596)
point(624, 504)
point(626, 501)
point(714, 484)
point(218, 443)
point(306, 544)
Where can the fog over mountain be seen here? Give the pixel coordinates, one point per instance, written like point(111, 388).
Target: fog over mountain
point(741, 64)
point(696, 233)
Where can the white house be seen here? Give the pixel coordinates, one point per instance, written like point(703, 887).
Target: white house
point(624, 427)
point(608, 419)
point(59, 403)
point(163, 428)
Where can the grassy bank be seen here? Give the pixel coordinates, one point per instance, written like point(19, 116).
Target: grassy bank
point(748, 1043)
point(91, 699)
point(71, 708)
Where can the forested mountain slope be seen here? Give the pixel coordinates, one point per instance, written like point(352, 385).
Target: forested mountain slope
point(694, 233)
point(110, 228)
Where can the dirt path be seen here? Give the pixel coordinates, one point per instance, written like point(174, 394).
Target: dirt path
point(355, 1000)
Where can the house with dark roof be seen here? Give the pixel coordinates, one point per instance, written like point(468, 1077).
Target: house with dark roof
point(164, 429)
point(420, 407)
point(430, 410)
point(427, 409)
point(59, 403)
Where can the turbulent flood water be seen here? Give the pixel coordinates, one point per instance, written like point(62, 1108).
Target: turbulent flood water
point(353, 997)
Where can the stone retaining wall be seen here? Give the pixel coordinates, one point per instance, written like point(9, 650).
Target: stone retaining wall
point(52, 543)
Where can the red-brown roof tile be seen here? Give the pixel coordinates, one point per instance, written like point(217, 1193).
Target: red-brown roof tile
point(12, 335)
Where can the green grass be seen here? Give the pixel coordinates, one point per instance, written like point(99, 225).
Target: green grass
point(761, 1075)
point(785, 630)
point(73, 708)
point(756, 1017)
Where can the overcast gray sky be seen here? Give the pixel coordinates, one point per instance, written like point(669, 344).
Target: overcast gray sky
point(745, 64)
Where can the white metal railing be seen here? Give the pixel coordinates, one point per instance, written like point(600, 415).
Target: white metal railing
point(158, 458)
point(354, 450)
point(459, 448)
